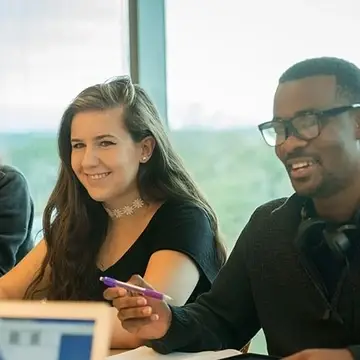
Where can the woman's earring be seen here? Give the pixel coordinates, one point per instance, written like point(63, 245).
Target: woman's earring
point(144, 158)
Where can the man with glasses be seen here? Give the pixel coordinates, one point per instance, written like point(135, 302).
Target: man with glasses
point(295, 269)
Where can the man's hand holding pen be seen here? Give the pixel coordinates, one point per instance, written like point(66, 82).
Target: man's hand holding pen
point(144, 316)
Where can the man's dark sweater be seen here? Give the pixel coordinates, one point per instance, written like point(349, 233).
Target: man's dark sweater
point(266, 284)
point(16, 218)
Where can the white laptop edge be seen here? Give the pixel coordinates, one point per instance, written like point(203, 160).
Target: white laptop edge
point(100, 313)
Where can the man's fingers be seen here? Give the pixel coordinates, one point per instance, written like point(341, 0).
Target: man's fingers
point(129, 302)
point(114, 293)
point(134, 312)
point(133, 325)
point(139, 281)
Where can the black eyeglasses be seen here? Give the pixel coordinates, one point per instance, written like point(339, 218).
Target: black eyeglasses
point(305, 125)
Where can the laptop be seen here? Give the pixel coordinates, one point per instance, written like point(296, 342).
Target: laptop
point(54, 330)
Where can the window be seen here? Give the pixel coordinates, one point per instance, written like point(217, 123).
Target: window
point(223, 62)
point(51, 50)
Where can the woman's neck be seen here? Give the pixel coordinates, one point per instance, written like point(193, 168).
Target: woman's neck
point(121, 201)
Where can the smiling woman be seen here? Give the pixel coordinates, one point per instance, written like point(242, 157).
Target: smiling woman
point(105, 158)
point(123, 204)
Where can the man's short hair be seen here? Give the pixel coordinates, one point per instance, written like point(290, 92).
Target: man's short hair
point(346, 73)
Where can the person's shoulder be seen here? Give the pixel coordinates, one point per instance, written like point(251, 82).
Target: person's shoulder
point(173, 210)
point(279, 207)
point(13, 184)
point(11, 174)
point(182, 222)
point(268, 207)
point(185, 227)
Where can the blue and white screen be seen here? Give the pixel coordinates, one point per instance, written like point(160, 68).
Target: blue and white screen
point(50, 339)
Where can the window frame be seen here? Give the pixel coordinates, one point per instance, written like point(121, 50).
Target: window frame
point(147, 49)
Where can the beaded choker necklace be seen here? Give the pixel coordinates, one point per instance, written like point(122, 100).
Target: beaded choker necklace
point(126, 210)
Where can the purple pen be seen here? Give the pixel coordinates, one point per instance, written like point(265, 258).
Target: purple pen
point(147, 292)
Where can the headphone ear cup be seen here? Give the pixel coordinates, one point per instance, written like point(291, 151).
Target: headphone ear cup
point(307, 226)
point(338, 241)
point(357, 218)
point(334, 239)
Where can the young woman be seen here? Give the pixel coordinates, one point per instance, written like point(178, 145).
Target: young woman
point(123, 204)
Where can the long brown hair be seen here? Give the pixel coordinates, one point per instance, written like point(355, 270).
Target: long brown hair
point(75, 225)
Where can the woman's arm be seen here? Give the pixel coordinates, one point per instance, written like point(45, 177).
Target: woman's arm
point(13, 285)
point(169, 272)
point(3, 295)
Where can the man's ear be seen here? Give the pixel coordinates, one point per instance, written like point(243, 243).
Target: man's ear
point(147, 147)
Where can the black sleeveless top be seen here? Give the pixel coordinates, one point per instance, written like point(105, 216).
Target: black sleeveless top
point(175, 226)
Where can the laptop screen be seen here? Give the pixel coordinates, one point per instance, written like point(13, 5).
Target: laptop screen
point(48, 339)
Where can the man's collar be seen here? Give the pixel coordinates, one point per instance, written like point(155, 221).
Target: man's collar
point(294, 201)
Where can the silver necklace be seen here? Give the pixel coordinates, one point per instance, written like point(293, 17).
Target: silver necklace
point(125, 210)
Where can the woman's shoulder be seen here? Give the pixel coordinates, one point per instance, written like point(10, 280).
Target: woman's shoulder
point(183, 224)
point(174, 210)
point(185, 227)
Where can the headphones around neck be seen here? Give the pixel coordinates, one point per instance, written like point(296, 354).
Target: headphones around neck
point(335, 236)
